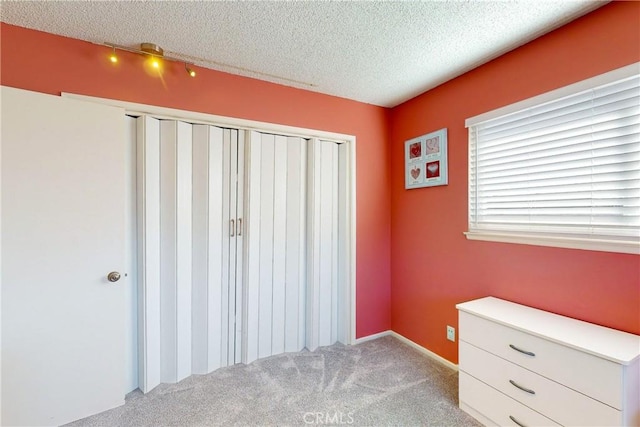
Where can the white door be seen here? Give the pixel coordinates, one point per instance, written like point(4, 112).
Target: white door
point(63, 195)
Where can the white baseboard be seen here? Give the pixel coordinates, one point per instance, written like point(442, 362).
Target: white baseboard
point(410, 343)
point(423, 350)
point(372, 337)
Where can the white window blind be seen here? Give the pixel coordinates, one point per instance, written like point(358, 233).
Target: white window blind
point(564, 169)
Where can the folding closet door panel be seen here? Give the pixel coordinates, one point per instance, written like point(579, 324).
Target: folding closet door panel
point(235, 194)
point(148, 212)
point(295, 245)
point(130, 253)
point(322, 287)
point(239, 248)
point(228, 228)
point(312, 303)
point(331, 151)
point(175, 252)
point(265, 308)
point(253, 216)
point(199, 294)
point(207, 248)
point(184, 272)
point(328, 243)
point(279, 244)
point(344, 249)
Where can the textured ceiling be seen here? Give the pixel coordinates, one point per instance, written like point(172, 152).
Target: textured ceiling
point(377, 52)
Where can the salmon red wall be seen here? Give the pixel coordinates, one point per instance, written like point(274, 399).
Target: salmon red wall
point(69, 65)
point(433, 265)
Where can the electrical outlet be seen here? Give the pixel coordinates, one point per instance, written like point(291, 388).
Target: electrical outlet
point(451, 333)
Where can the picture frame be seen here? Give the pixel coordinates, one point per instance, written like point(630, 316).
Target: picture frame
point(425, 160)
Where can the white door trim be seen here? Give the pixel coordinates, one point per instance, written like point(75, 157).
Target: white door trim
point(166, 113)
point(244, 124)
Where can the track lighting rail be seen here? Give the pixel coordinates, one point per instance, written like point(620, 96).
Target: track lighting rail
point(151, 50)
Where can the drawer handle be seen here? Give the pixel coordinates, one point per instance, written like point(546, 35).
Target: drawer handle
point(516, 421)
point(528, 353)
point(515, 384)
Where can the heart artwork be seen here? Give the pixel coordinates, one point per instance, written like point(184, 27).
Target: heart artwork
point(415, 173)
point(415, 150)
point(433, 170)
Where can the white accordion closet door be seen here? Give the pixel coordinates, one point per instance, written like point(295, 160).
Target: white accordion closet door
point(324, 289)
point(218, 169)
point(275, 278)
point(216, 286)
point(164, 250)
point(190, 180)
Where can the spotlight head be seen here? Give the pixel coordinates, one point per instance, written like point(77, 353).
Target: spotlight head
point(113, 57)
point(190, 71)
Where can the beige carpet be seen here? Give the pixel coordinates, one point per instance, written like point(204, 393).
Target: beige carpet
point(378, 383)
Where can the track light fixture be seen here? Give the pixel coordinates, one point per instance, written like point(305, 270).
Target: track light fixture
point(189, 70)
point(153, 51)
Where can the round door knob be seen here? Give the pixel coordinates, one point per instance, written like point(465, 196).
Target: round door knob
point(114, 276)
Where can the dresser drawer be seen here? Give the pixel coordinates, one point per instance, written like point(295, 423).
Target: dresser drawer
point(498, 408)
point(561, 404)
point(593, 376)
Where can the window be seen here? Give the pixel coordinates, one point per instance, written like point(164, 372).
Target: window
point(561, 169)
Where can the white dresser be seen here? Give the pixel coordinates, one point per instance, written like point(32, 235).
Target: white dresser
point(520, 366)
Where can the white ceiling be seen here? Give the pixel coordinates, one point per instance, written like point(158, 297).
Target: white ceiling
point(378, 52)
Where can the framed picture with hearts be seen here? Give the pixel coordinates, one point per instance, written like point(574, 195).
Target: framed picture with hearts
point(425, 160)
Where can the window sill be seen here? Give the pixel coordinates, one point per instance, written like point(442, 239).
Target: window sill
point(626, 247)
